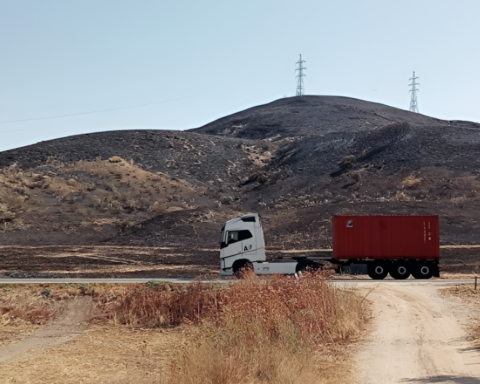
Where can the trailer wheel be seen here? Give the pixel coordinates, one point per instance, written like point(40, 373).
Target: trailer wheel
point(400, 270)
point(241, 268)
point(377, 270)
point(422, 270)
point(307, 265)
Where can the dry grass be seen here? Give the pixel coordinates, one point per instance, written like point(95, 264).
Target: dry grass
point(101, 354)
point(22, 312)
point(411, 181)
point(256, 331)
point(86, 191)
point(278, 330)
point(470, 298)
point(402, 196)
point(458, 201)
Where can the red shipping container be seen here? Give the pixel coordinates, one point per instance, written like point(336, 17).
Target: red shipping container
point(386, 237)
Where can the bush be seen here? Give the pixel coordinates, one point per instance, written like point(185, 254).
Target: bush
point(458, 201)
point(347, 162)
point(411, 182)
point(158, 208)
point(16, 308)
point(401, 196)
point(115, 159)
point(154, 283)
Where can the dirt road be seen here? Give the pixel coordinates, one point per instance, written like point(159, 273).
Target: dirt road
point(417, 337)
point(71, 322)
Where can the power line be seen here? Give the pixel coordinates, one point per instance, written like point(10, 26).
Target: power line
point(90, 112)
point(413, 98)
point(300, 75)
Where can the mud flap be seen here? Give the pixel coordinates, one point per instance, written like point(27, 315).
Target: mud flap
point(436, 271)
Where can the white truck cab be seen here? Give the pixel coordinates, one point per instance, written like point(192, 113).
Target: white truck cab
point(242, 246)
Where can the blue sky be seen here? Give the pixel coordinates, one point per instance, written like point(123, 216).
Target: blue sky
point(201, 60)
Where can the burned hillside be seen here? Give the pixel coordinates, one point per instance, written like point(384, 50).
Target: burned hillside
point(297, 161)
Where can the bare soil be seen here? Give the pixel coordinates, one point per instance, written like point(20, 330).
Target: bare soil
point(417, 337)
point(70, 322)
point(106, 261)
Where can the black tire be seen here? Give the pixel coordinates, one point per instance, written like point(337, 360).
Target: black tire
point(400, 270)
point(307, 265)
point(423, 270)
point(240, 267)
point(377, 270)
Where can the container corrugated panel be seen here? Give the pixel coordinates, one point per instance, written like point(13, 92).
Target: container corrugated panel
point(386, 237)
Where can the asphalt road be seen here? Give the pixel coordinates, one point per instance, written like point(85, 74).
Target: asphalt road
point(431, 282)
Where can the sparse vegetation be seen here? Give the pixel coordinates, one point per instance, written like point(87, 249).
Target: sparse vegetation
point(347, 162)
point(158, 208)
point(115, 159)
point(21, 308)
point(458, 200)
point(156, 283)
point(86, 191)
point(357, 175)
point(402, 196)
point(411, 181)
point(470, 297)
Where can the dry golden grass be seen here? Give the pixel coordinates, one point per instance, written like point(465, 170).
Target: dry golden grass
point(255, 331)
point(411, 181)
point(86, 191)
point(278, 330)
point(22, 311)
point(402, 196)
point(101, 354)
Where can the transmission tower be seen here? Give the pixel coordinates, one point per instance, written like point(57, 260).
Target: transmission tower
point(413, 99)
point(300, 75)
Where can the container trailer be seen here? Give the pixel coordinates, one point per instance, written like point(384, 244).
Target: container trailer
point(397, 245)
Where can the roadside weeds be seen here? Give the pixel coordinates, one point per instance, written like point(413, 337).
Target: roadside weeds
point(278, 330)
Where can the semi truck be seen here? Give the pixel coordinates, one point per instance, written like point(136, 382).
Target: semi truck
point(397, 245)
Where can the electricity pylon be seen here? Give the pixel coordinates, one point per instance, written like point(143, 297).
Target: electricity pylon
point(413, 99)
point(300, 76)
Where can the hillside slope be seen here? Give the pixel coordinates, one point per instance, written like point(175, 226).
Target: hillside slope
point(297, 161)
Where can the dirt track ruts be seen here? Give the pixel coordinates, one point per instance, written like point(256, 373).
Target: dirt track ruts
point(69, 324)
point(417, 337)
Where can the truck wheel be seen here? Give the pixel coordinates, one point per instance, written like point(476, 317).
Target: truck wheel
point(422, 270)
point(240, 268)
point(399, 270)
point(377, 270)
point(307, 265)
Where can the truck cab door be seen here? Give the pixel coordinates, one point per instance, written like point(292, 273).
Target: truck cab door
point(248, 242)
point(241, 241)
point(233, 244)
